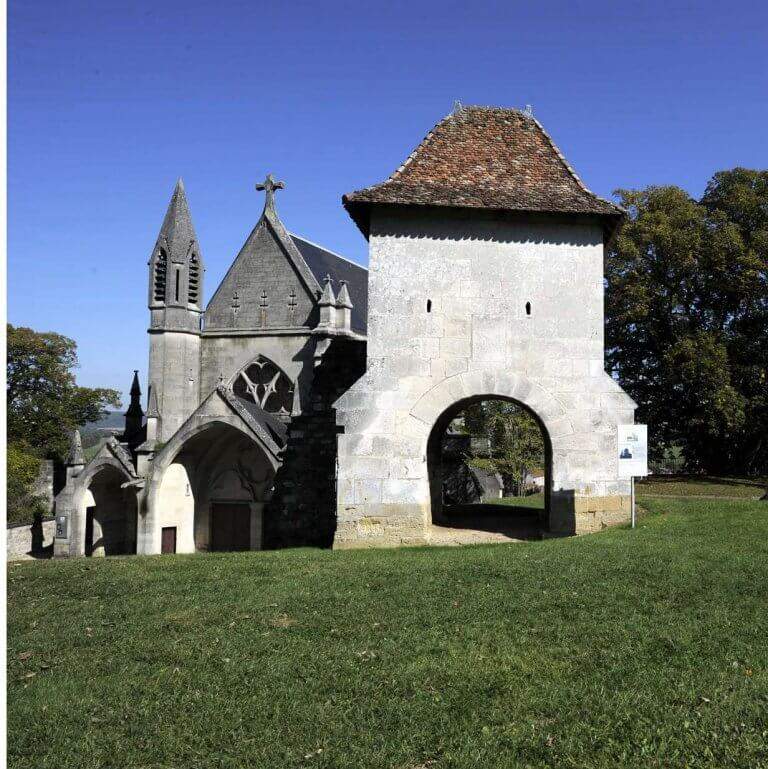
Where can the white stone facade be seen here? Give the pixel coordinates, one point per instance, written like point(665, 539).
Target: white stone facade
point(465, 305)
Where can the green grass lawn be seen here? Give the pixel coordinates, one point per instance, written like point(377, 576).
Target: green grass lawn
point(687, 485)
point(532, 500)
point(642, 648)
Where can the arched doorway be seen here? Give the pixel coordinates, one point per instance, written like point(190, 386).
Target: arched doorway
point(212, 492)
point(109, 514)
point(489, 467)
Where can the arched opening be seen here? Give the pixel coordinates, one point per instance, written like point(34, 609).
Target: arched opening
point(489, 463)
point(212, 493)
point(109, 512)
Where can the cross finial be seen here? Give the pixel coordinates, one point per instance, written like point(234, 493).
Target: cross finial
point(269, 185)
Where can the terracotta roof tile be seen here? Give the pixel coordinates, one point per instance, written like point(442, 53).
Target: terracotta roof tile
point(484, 157)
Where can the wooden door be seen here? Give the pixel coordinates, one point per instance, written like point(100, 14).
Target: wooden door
point(230, 526)
point(168, 541)
point(89, 512)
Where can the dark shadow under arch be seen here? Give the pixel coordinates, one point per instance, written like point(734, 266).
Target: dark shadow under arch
point(520, 522)
point(110, 522)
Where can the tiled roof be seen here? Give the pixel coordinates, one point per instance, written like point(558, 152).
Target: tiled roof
point(484, 157)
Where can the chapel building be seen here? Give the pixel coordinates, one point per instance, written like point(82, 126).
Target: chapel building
point(306, 402)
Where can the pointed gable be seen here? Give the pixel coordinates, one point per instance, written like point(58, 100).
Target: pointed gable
point(269, 285)
point(488, 158)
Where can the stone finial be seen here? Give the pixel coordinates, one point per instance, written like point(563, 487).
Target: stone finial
point(269, 185)
point(327, 298)
point(343, 299)
point(344, 308)
point(75, 457)
point(327, 305)
point(153, 412)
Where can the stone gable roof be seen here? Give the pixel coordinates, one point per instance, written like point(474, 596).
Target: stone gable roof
point(485, 158)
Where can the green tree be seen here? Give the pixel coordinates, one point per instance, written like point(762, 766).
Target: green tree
point(23, 468)
point(687, 318)
point(44, 402)
point(508, 440)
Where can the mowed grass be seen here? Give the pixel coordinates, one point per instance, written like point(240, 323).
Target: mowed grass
point(704, 486)
point(532, 500)
point(642, 648)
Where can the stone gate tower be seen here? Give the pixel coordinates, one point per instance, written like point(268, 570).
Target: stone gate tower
point(485, 280)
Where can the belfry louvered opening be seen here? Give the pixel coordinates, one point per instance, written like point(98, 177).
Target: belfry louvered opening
point(194, 280)
point(161, 275)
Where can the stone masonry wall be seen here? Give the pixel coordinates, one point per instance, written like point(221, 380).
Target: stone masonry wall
point(26, 541)
point(303, 507)
point(464, 305)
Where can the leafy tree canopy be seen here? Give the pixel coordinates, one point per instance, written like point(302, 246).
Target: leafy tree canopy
point(687, 318)
point(44, 402)
point(507, 438)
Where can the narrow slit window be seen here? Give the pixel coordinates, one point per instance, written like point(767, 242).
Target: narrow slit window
point(429, 305)
point(178, 276)
point(527, 308)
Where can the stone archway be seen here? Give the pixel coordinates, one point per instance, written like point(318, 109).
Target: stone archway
point(471, 518)
point(102, 510)
point(384, 494)
point(109, 512)
point(208, 487)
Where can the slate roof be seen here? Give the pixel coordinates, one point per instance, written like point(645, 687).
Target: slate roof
point(487, 158)
point(322, 262)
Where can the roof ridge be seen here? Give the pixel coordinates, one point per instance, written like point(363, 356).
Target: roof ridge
point(424, 142)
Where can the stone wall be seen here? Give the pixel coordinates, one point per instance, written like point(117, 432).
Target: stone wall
point(174, 372)
point(462, 306)
point(303, 508)
point(42, 487)
point(26, 541)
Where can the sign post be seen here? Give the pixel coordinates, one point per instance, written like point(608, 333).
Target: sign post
point(633, 456)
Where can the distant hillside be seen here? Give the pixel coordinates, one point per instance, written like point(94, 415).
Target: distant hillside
point(93, 432)
point(114, 420)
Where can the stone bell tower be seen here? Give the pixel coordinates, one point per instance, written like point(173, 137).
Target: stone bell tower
point(175, 305)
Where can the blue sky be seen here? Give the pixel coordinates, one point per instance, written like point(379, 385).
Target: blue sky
point(109, 103)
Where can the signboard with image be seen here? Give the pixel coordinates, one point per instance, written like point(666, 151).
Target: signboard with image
point(633, 450)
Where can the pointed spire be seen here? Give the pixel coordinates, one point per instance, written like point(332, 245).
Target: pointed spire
point(343, 299)
point(327, 298)
point(134, 415)
point(344, 308)
point(269, 185)
point(75, 456)
point(327, 305)
point(135, 386)
point(153, 412)
point(177, 233)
